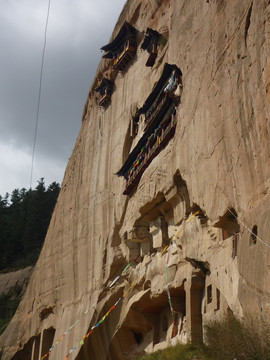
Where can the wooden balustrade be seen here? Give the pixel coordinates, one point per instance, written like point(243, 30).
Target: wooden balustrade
point(124, 57)
point(150, 153)
point(105, 100)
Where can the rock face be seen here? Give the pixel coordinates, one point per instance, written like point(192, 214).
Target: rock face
point(185, 227)
point(19, 278)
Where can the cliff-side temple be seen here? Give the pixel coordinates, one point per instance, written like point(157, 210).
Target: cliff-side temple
point(150, 44)
point(122, 49)
point(105, 89)
point(162, 222)
point(159, 125)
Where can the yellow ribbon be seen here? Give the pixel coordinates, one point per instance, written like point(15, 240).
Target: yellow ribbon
point(183, 227)
point(131, 286)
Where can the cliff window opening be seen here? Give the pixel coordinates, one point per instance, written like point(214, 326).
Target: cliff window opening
point(134, 126)
point(150, 44)
point(105, 90)
point(28, 351)
point(253, 237)
point(35, 350)
point(45, 313)
point(160, 123)
point(218, 299)
point(164, 323)
point(209, 294)
point(228, 224)
point(123, 48)
point(47, 340)
point(138, 337)
point(235, 244)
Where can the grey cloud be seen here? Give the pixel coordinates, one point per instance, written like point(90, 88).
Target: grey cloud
point(76, 31)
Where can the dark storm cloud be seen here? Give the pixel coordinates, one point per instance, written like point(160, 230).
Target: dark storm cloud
point(76, 31)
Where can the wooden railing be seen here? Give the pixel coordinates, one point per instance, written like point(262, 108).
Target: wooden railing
point(157, 108)
point(121, 61)
point(150, 153)
point(104, 101)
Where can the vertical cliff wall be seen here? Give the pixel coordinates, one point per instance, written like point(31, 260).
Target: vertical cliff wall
point(189, 215)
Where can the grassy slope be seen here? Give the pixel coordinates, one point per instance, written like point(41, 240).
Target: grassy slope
point(227, 339)
point(178, 352)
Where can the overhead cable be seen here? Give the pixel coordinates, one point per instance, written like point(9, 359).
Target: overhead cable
point(39, 91)
point(263, 242)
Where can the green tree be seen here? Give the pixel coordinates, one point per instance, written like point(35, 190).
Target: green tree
point(24, 219)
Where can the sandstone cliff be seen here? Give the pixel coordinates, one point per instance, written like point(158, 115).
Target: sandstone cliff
point(19, 278)
point(215, 166)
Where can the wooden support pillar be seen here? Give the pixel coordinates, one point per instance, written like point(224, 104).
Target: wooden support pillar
point(40, 346)
point(33, 350)
point(46, 342)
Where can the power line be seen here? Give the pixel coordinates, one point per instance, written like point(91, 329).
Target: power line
point(39, 92)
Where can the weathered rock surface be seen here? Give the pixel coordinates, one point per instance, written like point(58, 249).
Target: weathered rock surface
point(19, 278)
point(217, 163)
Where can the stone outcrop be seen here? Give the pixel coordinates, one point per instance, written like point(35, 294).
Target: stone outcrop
point(20, 278)
point(196, 199)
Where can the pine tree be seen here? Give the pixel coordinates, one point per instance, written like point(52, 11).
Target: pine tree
point(24, 220)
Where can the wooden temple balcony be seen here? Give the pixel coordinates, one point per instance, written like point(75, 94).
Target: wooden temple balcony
point(123, 59)
point(123, 48)
point(162, 96)
point(166, 134)
point(105, 100)
point(160, 122)
point(105, 89)
point(155, 109)
point(150, 44)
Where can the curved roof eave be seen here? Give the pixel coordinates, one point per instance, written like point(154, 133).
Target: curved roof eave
point(117, 40)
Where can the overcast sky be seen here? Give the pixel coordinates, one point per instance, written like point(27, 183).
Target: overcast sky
point(76, 31)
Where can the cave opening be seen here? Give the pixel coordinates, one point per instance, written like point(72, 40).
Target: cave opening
point(228, 224)
point(138, 337)
point(254, 234)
